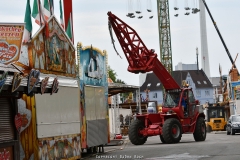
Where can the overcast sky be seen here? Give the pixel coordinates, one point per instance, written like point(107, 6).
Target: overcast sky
point(90, 23)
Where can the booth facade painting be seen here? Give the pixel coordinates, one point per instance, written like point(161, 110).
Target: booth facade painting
point(10, 42)
point(44, 84)
point(57, 116)
point(94, 95)
point(52, 52)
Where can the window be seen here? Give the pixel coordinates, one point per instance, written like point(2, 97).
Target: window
point(191, 97)
point(198, 82)
point(198, 93)
point(204, 82)
point(149, 84)
point(207, 93)
point(189, 82)
point(158, 84)
point(154, 95)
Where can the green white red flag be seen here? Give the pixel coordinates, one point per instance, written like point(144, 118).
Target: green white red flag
point(36, 12)
point(68, 18)
point(69, 28)
point(28, 23)
point(46, 9)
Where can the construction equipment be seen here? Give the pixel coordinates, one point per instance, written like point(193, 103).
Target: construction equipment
point(219, 34)
point(216, 120)
point(174, 120)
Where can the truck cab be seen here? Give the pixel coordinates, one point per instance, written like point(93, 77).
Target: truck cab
point(181, 101)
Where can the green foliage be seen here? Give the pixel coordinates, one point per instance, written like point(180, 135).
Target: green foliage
point(112, 74)
point(120, 81)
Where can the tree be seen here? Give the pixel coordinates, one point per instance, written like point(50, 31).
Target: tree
point(120, 81)
point(112, 74)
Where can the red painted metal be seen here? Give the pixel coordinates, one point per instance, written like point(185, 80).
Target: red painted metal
point(139, 57)
point(143, 60)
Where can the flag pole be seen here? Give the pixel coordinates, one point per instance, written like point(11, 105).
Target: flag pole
point(72, 27)
point(40, 12)
point(50, 2)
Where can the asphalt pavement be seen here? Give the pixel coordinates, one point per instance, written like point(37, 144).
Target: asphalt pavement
point(217, 146)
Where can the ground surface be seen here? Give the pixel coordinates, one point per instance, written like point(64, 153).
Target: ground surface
point(218, 146)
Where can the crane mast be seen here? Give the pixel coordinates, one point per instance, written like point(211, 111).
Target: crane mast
point(164, 34)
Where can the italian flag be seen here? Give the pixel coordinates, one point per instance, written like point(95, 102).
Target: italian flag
point(46, 9)
point(28, 23)
point(36, 13)
point(61, 14)
point(69, 28)
point(68, 18)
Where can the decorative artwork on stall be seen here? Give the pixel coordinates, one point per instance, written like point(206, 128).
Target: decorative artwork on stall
point(93, 62)
point(60, 148)
point(27, 136)
point(54, 54)
point(94, 68)
point(23, 60)
point(3, 79)
point(17, 78)
point(10, 42)
point(55, 86)
point(33, 79)
point(44, 84)
point(5, 154)
point(83, 120)
point(23, 118)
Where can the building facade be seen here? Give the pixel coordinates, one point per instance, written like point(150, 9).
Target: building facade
point(197, 80)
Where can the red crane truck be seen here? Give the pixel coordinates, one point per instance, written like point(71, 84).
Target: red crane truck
point(174, 120)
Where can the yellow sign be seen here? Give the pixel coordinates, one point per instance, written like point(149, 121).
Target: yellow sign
point(10, 42)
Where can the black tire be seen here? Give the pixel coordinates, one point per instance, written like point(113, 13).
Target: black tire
point(133, 134)
point(228, 133)
point(209, 129)
point(200, 130)
point(170, 126)
point(225, 127)
point(89, 150)
point(162, 139)
point(232, 132)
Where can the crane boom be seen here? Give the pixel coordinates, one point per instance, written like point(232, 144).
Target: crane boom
point(139, 57)
point(215, 25)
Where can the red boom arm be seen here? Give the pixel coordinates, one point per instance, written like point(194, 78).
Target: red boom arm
point(140, 59)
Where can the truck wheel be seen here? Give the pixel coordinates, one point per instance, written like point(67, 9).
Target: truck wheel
point(135, 137)
point(225, 127)
point(200, 130)
point(172, 131)
point(162, 139)
point(209, 129)
point(228, 133)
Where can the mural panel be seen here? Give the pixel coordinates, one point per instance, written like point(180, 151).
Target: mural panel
point(52, 51)
point(10, 42)
point(92, 71)
point(67, 147)
point(6, 153)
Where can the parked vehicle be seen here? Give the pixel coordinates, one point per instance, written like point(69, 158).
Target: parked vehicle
point(233, 125)
point(216, 119)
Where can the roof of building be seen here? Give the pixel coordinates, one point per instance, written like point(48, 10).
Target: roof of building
point(215, 81)
point(153, 82)
point(115, 88)
point(198, 76)
point(200, 79)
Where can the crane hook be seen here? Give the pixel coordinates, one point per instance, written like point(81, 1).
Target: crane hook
point(110, 31)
